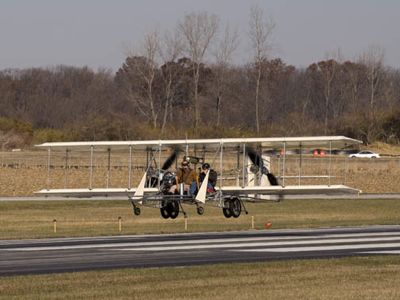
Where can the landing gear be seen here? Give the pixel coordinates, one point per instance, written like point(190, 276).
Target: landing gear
point(226, 212)
point(200, 210)
point(233, 207)
point(164, 212)
point(136, 210)
point(226, 209)
point(169, 209)
point(173, 209)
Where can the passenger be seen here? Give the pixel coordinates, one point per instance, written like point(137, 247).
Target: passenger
point(184, 175)
point(212, 177)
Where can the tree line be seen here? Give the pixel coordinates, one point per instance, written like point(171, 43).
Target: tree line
point(184, 84)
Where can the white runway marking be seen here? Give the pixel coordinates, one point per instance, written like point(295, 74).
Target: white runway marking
point(382, 252)
point(224, 243)
point(322, 248)
point(263, 244)
point(163, 243)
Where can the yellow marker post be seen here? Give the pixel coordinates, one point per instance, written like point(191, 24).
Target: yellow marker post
point(119, 224)
point(55, 226)
point(186, 223)
point(252, 222)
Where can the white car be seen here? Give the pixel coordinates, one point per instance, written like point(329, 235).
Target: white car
point(365, 154)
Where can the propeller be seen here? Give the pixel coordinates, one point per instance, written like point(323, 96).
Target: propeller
point(258, 162)
point(154, 175)
point(170, 160)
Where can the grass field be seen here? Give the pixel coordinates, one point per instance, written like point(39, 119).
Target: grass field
point(92, 218)
point(347, 278)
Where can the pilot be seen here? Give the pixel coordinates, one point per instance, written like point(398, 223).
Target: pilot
point(184, 175)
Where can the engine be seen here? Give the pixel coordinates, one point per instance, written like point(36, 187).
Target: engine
point(167, 181)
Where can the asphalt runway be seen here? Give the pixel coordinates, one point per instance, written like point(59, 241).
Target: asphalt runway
point(82, 254)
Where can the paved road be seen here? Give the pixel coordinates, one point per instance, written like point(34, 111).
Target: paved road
point(79, 254)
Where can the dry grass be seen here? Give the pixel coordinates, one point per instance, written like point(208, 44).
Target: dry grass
point(92, 218)
point(347, 278)
point(384, 149)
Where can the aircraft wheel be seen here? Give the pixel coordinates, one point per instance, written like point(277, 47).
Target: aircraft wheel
point(164, 211)
point(136, 211)
point(200, 210)
point(235, 207)
point(226, 212)
point(173, 209)
point(226, 209)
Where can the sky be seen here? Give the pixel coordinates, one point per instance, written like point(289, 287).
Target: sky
point(98, 33)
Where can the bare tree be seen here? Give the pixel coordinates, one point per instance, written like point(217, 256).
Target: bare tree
point(223, 56)
point(328, 71)
point(261, 30)
point(198, 30)
point(170, 50)
point(144, 65)
point(373, 59)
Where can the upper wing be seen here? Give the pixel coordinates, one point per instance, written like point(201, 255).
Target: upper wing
point(267, 143)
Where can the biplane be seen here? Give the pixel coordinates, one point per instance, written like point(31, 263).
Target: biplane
point(242, 164)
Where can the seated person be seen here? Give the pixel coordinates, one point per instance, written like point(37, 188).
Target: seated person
point(212, 179)
point(184, 175)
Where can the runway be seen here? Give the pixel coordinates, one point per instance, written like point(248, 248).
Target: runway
point(81, 254)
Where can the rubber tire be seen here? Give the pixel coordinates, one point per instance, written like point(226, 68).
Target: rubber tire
point(173, 209)
point(235, 207)
point(164, 212)
point(226, 210)
point(136, 211)
point(200, 210)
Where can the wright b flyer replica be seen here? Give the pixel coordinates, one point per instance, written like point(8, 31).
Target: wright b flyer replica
point(241, 170)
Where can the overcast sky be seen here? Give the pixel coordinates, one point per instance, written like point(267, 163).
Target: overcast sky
point(96, 33)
